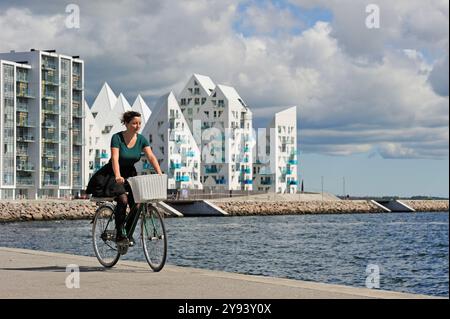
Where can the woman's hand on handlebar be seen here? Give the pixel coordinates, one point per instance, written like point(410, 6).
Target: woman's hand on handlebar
point(120, 180)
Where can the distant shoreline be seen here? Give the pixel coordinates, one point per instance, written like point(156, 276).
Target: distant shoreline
point(23, 210)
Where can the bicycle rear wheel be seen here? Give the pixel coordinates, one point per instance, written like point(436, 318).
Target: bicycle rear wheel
point(104, 237)
point(154, 239)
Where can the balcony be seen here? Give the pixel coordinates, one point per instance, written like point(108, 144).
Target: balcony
point(50, 81)
point(49, 96)
point(25, 167)
point(78, 112)
point(25, 138)
point(176, 165)
point(292, 183)
point(76, 82)
point(182, 178)
point(22, 77)
point(50, 166)
point(49, 182)
point(49, 154)
point(189, 154)
point(48, 66)
point(49, 124)
point(22, 152)
point(26, 123)
point(181, 141)
point(50, 110)
point(22, 107)
point(292, 162)
point(248, 182)
point(246, 170)
point(28, 94)
point(220, 182)
point(211, 170)
point(265, 171)
point(246, 149)
point(104, 155)
point(266, 182)
point(50, 139)
point(78, 141)
point(24, 181)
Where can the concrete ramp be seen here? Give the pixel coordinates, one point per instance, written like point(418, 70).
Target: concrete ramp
point(190, 208)
point(394, 206)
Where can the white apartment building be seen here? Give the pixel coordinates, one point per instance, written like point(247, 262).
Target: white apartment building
point(173, 144)
point(227, 142)
point(102, 121)
point(275, 167)
point(193, 96)
point(97, 149)
point(141, 107)
point(103, 103)
point(42, 124)
point(221, 123)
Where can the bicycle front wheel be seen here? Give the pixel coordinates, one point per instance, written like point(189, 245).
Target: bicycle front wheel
point(154, 239)
point(104, 237)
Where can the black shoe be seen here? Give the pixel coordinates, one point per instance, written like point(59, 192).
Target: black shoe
point(121, 235)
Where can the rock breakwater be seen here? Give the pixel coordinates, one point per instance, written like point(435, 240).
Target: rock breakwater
point(11, 211)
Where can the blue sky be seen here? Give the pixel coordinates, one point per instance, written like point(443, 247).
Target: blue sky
point(372, 103)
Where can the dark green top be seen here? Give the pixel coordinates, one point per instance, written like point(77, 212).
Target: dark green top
point(128, 156)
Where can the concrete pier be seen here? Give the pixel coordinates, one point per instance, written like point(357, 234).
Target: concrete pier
point(38, 274)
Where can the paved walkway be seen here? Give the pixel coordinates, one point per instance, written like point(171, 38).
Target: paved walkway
point(38, 274)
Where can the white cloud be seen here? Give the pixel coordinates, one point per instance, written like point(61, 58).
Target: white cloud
point(265, 18)
point(356, 91)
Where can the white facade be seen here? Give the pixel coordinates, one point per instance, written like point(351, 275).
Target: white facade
point(173, 145)
point(227, 142)
point(108, 110)
point(193, 96)
point(141, 107)
point(97, 148)
point(42, 125)
point(103, 103)
point(275, 167)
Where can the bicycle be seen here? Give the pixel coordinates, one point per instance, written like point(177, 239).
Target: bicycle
point(153, 232)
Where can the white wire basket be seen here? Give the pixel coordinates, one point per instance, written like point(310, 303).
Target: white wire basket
point(148, 187)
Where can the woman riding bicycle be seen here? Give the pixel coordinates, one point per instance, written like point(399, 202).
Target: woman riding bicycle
point(110, 180)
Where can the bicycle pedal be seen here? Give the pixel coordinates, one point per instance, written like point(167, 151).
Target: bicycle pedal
point(122, 247)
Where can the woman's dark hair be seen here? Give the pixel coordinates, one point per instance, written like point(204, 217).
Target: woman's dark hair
point(128, 116)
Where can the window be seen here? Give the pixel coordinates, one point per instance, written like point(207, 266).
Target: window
point(196, 101)
point(107, 129)
point(203, 100)
point(183, 101)
point(197, 91)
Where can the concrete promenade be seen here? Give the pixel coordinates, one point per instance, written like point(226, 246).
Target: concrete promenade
point(38, 274)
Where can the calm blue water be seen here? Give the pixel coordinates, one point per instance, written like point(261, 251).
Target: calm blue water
point(411, 250)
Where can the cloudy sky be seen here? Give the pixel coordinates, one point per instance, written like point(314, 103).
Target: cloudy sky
point(373, 103)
